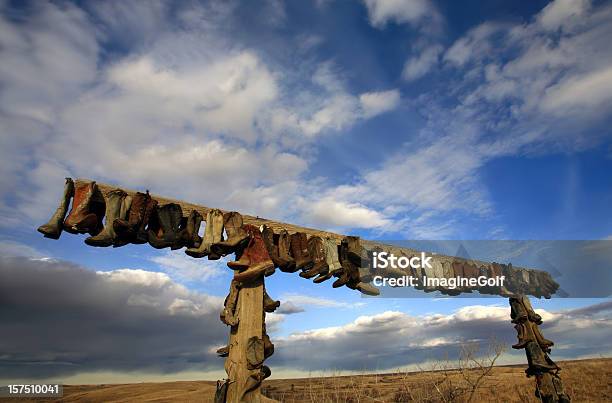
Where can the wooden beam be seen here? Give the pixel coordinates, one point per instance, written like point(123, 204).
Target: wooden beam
point(277, 226)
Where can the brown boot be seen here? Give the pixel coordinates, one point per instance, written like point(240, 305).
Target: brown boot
point(367, 289)
point(213, 233)
point(316, 252)
point(53, 228)
point(255, 260)
point(81, 218)
point(254, 380)
point(268, 345)
point(229, 314)
point(518, 313)
point(268, 237)
point(133, 229)
point(534, 317)
point(114, 203)
point(255, 352)
point(544, 343)
point(189, 234)
point(523, 335)
point(356, 253)
point(538, 361)
point(237, 238)
point(223, 352)
point(299, 250)
point(284, 255)
point(270, 305)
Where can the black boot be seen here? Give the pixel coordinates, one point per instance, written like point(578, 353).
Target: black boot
point(169, 221)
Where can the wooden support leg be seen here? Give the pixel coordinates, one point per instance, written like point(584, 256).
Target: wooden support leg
point(250, 313)
point(549, 387)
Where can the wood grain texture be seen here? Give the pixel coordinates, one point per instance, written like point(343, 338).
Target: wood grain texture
point(251, 316)
point(277, 226)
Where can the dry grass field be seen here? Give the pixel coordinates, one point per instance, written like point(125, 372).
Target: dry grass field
point(585, 380)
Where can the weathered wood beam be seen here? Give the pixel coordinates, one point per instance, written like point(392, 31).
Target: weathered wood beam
point(277, 226)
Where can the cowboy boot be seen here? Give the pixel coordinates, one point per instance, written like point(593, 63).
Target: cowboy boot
point(523, 335)
point(317, 253)
point(268, 345)
point(299, 250)
point(125, 228)
point(254, 380)
point(518, 313)
point(229, 314)
point(538, 360)
point(344, 274)
point(283, 243)
point(221, 392)
point(534, 317)
point(243, 256)
point(126, 204)
point(223, 352)
point(188, 236)
point(81, 218)
point(255, 260)
point(132, 229)
point(268, 237)
point(255, 352)
point(237, 238)
point(53, 228)
point(114, 202)
point(367, 289)
point(270, 305)
point(142, 233)
point(213, 233)
point(544, 343)
point(169, 220)
point(356, 253)
point(331, 259)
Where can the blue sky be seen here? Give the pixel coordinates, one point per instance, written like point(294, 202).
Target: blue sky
point(390, 119)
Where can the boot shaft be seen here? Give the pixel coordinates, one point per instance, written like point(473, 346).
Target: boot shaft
point(53, 228)
point(331, 255)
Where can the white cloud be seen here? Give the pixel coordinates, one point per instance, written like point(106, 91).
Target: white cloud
point(381, 12)
point(559, 12)
point(328, 211)
point(411, 340)
point(592, 91)
point(301, 300)
point(172, 116)
point(375, 103)
point(183, 267)
point(422, 63)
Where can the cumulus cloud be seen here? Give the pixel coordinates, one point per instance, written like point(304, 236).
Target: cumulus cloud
point(163, 112)
point(60, 319)
point(394, 339)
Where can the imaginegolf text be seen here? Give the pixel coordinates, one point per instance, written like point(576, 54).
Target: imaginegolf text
point(449, 283)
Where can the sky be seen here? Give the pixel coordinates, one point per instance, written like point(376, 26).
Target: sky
point(388, 119)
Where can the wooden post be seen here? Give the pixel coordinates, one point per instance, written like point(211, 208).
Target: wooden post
point(251, 319)
point(549, 388)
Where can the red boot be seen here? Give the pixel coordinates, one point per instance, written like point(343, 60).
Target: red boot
point(81, 218)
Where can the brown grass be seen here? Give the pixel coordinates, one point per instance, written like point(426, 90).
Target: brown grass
point(585, 381)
